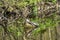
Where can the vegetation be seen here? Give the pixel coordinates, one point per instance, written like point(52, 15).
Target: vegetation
point(41, 15)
